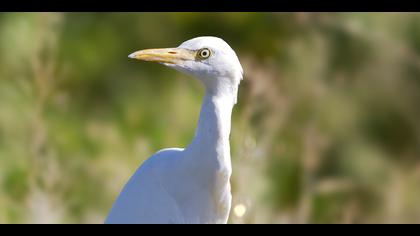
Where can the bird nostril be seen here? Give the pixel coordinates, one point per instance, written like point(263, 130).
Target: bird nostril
point(172, 52)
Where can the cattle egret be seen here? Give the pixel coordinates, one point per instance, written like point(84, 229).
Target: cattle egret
point(190, 185)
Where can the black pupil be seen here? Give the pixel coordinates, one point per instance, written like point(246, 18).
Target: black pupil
point(204, 53)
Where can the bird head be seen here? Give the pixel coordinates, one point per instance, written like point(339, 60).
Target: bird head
point(209, 59)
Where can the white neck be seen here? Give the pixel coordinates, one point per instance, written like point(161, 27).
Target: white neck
point(211, 142)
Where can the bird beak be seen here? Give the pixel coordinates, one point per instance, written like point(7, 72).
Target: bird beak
point(164, 55)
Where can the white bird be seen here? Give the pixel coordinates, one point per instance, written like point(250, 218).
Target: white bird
point(190, 185)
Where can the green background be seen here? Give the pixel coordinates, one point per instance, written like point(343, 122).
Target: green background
point(326, 129)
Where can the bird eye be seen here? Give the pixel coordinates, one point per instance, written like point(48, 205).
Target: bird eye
point(204, 53)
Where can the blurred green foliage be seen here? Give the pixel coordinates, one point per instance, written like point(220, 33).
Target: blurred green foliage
point(326, 129)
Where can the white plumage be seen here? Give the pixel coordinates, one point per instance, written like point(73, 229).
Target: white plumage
point(189, 185)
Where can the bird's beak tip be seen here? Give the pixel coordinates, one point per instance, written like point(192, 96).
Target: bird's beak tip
point(132, 55)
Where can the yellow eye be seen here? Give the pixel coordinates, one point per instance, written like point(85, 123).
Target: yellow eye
point(204, 53)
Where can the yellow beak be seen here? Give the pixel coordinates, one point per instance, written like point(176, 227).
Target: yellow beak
point(164, 55)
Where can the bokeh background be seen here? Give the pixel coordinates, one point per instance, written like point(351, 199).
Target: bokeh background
point(326, 129)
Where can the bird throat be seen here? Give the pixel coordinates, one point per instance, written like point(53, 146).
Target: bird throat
point(211, 140)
